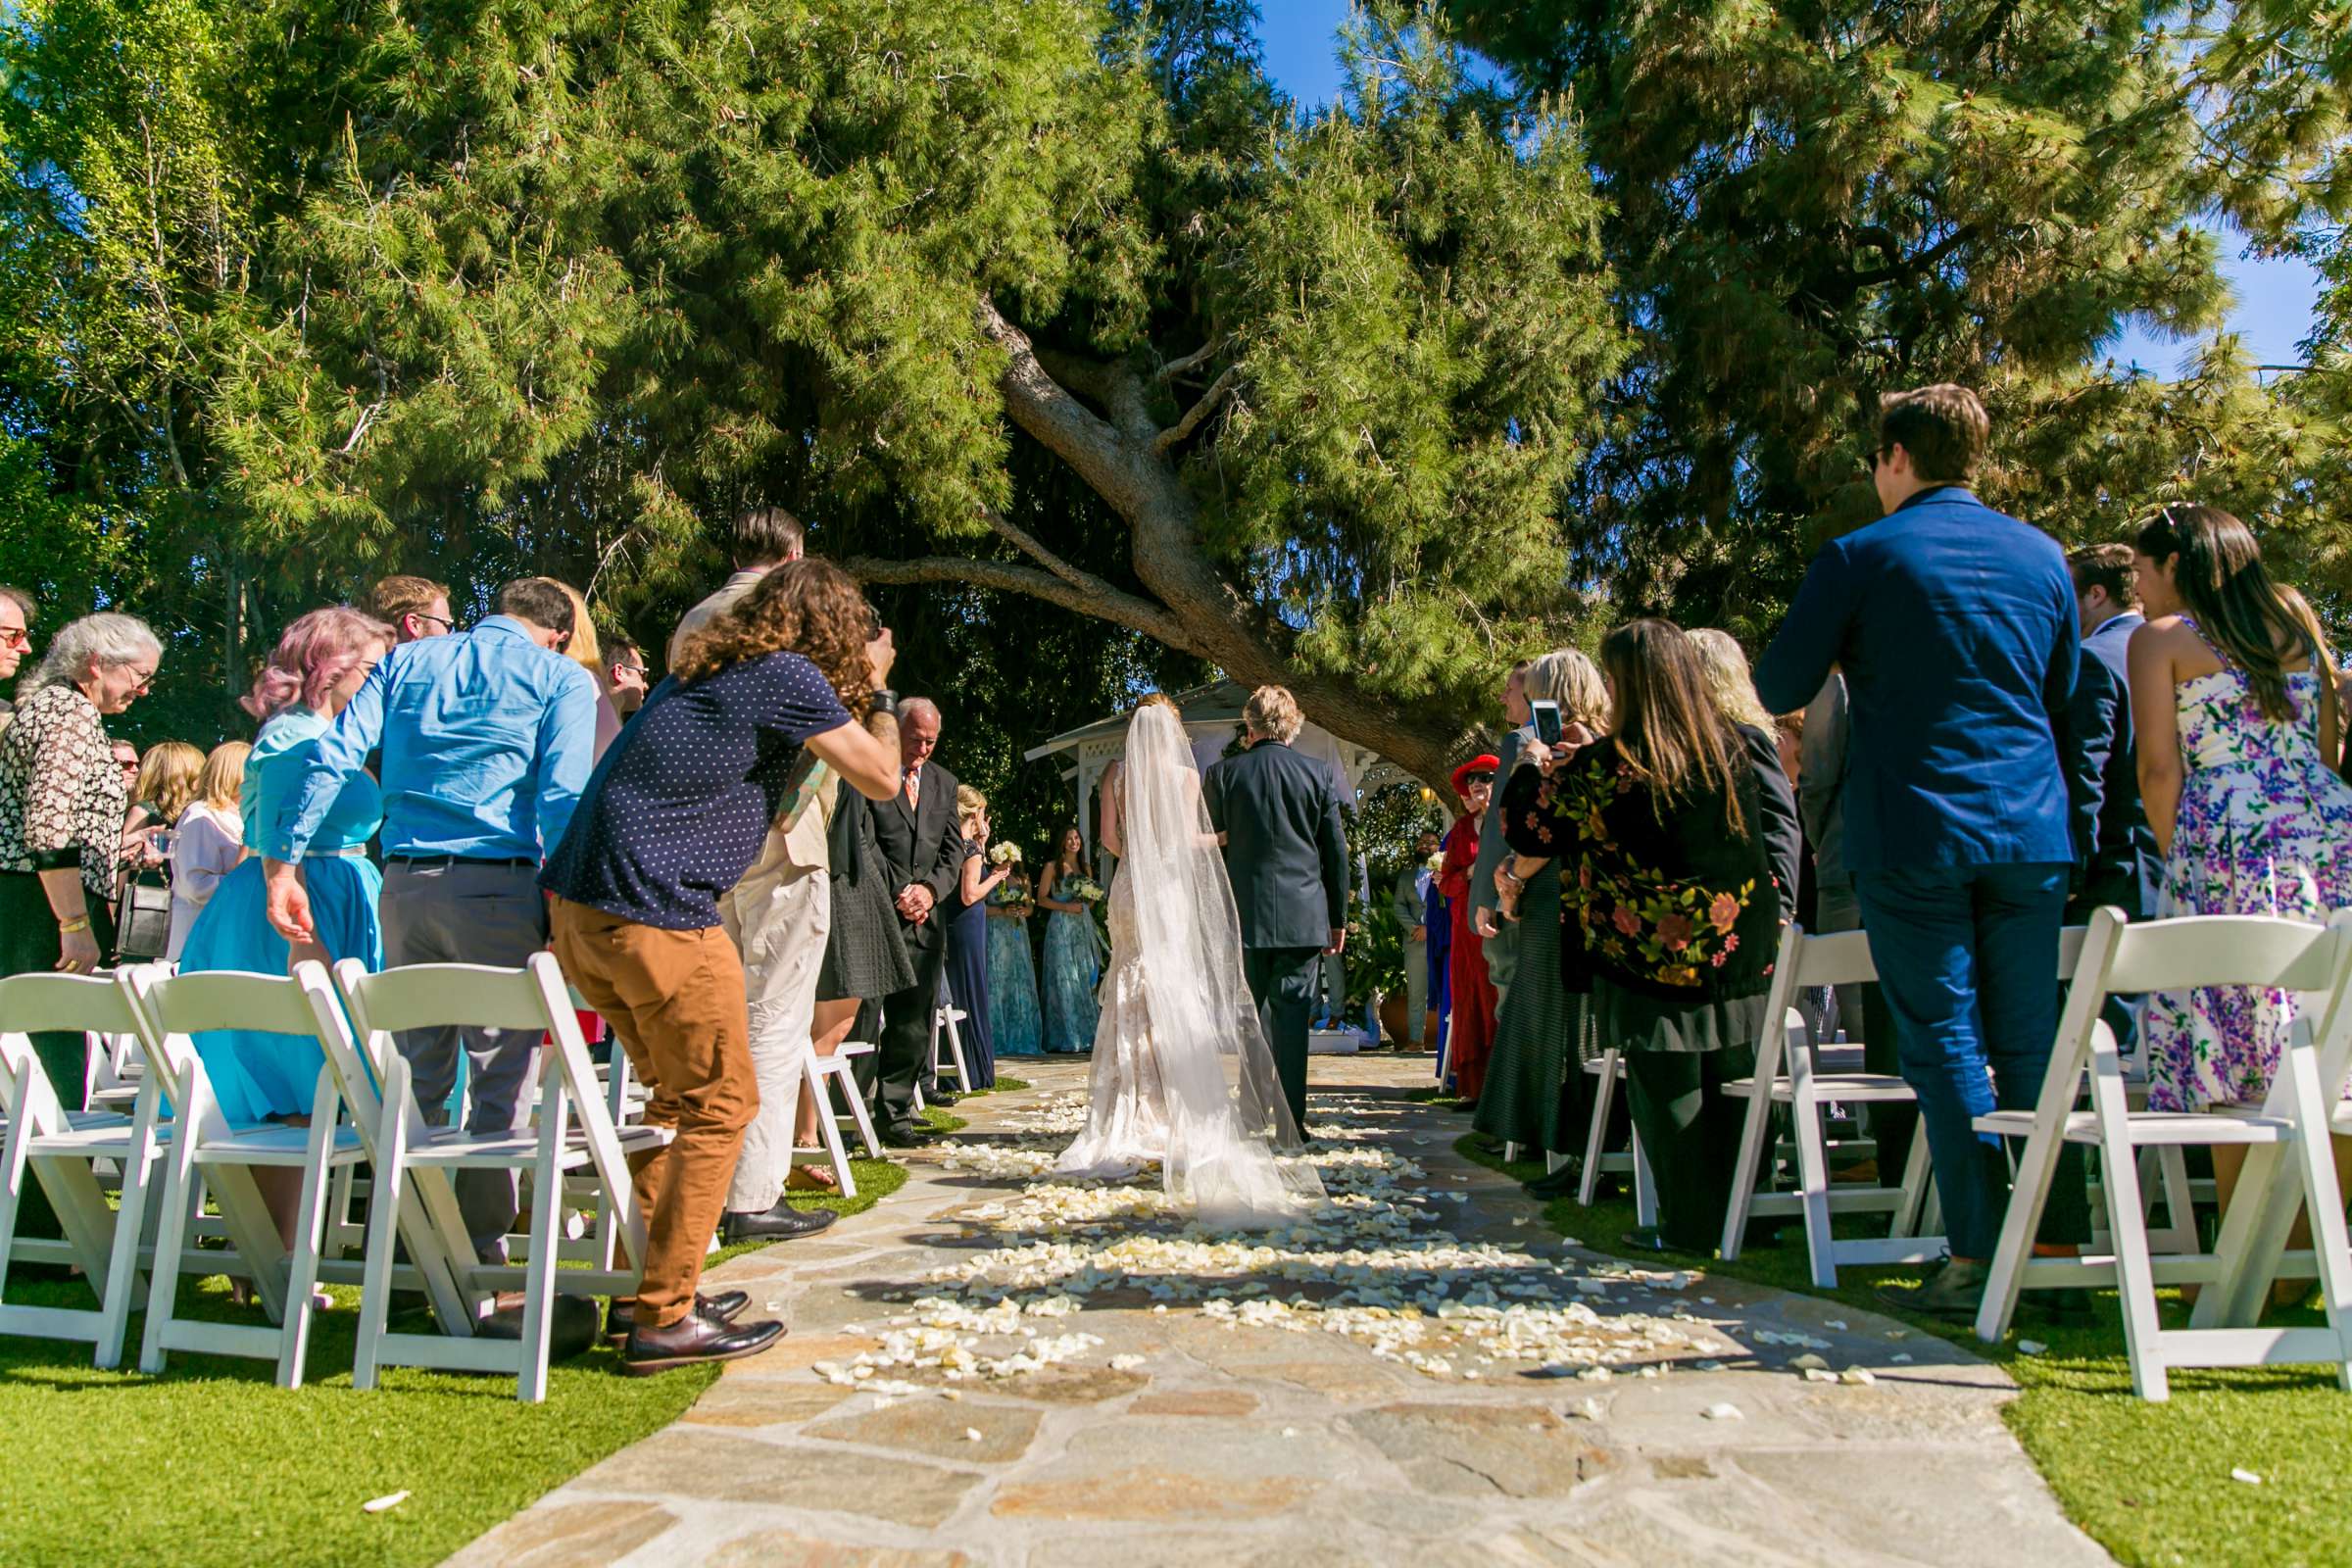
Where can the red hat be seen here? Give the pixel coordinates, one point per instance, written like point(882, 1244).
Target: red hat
point(1487, 763)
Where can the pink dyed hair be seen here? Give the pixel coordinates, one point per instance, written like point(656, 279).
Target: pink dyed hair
point(316, 651)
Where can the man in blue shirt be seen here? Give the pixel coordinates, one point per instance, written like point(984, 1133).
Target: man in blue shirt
point(1955, 629)
point(487, 738)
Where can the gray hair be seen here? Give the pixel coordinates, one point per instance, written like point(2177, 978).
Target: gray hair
point(1569, 678)
point(1272, 714)
point(917, 707)
point(106, 638)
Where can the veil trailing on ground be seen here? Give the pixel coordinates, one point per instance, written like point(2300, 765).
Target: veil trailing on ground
point(1226, 1112)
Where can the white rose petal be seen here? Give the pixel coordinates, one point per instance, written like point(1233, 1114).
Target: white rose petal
point(1723, 1412)
point(393, 1500)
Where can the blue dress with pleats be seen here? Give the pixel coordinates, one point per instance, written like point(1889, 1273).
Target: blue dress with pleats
point(257, 1075)
point(1013, 1015)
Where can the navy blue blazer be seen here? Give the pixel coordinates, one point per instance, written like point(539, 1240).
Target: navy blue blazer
point(2107, 827)
point(1956, 630)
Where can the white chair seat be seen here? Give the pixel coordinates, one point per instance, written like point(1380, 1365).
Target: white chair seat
point(2152, 1127)
point(277, 1146)
point(1867, 1088)
point(455, 1149)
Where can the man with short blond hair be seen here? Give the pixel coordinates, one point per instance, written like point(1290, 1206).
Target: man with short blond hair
point(1286, 851)
point(415, 607)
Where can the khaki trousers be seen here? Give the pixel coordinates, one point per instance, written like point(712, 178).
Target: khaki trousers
point(676, 1001)
point(778, 920)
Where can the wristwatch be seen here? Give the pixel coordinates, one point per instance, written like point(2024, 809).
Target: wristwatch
point(886, 702)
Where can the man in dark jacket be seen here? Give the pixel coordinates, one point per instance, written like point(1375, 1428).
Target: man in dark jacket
point(1955, 629)
point(2115, 853)
point(1286, 851)
point(922, 847)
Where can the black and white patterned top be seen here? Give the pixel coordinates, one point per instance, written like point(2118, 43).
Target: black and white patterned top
point(62, 798)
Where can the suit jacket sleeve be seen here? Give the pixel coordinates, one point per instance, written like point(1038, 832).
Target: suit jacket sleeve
point(2063, 672)
point(1406, 902)
point(1820, 760)
point(2085, 741)
point(1213, 794)
point(1330, 835)
point(1783, 835)
point(1490, 838)
point(945, 856)
point(1807, 644)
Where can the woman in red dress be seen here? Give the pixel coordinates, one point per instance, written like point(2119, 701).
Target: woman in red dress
point(1472, 1036)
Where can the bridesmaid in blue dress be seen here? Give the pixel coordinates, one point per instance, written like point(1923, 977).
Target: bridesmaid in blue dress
point(319, 665)
point(1013, 1015)
point(1073, 962)
point(968, 938)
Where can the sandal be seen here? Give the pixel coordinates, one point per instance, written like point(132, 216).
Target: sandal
point(810, 1179)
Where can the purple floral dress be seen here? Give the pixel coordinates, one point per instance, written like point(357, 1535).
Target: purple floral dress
point(2265, 827)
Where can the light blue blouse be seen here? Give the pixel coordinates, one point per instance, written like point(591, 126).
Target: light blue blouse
point(275, 770)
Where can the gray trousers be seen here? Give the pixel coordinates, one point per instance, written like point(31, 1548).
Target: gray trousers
point(1416, 991)
point(470, 911)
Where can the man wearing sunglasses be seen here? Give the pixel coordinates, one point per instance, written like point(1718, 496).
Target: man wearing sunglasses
point(15, 638)
point(414, 608)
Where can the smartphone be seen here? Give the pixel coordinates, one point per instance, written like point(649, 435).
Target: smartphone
point(1548, 721)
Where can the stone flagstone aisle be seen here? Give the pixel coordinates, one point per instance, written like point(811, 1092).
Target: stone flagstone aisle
point(993, 1368)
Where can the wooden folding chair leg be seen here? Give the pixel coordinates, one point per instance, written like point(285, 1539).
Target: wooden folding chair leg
point(858, 1114)
point(539, 1270)
point(309, 1226)
point(1812, 1175)
point(384, 1229)
point(183, 1194)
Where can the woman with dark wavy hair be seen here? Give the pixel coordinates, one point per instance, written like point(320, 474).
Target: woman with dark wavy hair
point(2234, 710)
point(671, 819)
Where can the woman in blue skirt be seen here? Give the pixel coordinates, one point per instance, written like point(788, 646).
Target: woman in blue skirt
point(320, 663)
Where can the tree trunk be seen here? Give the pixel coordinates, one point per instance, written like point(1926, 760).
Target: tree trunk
point(1194, 607)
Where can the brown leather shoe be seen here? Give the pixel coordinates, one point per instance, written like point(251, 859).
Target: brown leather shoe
point(691, 1340)
point(724, 1307)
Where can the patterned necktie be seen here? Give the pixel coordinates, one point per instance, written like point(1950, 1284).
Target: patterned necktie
point(914, 788)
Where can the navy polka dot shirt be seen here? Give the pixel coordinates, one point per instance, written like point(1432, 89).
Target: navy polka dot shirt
point(676, 812)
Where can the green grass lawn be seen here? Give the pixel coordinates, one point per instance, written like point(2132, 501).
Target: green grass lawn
point(212, 1463)
point(2151, 1483)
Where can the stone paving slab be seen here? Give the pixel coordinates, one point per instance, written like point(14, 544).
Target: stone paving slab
point(1241, 1445)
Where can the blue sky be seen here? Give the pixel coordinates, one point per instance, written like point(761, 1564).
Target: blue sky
point(2275, 298)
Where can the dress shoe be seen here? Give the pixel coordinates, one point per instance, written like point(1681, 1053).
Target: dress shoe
point(724, 1307)
point(907, 1136)
point(691, 1340)
point(943, 1098)
point(571, 1328)
point(781, 1223)
point(1953, 1292)
point(1650, 1241)
point(1557, 1184)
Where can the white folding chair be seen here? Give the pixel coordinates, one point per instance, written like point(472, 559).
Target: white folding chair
point(944, 1019)
point(414, 1163)
point(40, 1141)
point(205, 1153)
point(1789, 1071)
point(2288, 1164)
point(838, 1072)
point(1607, 1071)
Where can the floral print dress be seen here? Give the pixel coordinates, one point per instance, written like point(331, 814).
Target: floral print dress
point(2264, 827)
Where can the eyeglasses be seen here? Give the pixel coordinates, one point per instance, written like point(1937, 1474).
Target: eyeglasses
point(447, 624)
point(14, 637)
point(628, 669)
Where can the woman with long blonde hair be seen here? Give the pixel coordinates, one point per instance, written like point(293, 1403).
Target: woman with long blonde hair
point(210, 840)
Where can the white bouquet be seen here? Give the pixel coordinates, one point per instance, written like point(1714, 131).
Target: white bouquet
point(1436, 864)
point(1085, 888)
point(1007, 852)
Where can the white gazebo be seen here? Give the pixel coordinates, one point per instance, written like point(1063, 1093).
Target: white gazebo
point(1212, 718)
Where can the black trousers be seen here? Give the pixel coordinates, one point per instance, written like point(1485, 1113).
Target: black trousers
point(1690, 1131)
point(905, 1047)
point(1281, 981)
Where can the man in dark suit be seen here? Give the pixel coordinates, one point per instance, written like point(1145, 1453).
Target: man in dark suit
point(2115, 853)
point(1956, 632)
point(1286, 851)
point(922, 847)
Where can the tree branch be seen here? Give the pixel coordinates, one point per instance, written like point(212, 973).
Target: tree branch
point(1200, 356)
point(1091, 597)
point(1174, 435)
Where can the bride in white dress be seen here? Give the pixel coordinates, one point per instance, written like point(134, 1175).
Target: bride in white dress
point(1182, 1074)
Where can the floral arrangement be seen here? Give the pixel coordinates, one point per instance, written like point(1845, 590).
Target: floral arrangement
point(1013, 897)
point(1436, 864)
point(1085, 888)
point(1006, 853)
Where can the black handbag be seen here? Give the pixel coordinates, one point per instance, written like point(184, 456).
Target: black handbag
point(144, 926)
